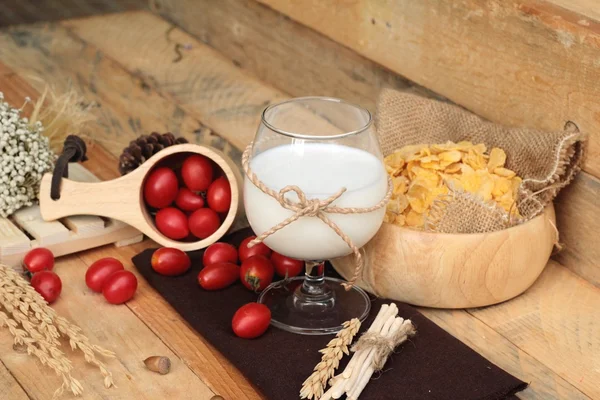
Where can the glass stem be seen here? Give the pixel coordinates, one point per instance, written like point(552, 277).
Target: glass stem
point(314, 282)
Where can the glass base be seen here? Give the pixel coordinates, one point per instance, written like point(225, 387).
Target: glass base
point(295, 310)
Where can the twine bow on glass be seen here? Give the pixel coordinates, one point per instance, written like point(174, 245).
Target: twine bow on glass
point(304, 207)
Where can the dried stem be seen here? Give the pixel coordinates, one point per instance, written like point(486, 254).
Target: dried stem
point(61, 115)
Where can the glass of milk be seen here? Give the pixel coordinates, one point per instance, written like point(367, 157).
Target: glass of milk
point(320, 145)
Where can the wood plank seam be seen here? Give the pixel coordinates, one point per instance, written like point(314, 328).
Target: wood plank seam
point(528, 354)
point(583, 287)
point(16, 380)
point(489, 344)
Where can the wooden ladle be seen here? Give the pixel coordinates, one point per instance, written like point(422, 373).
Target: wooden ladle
point(122, 198)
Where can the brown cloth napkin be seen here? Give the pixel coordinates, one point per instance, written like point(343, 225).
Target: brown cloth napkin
point(433, 365)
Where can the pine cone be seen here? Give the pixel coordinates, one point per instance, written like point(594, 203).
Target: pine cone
point(143, 148)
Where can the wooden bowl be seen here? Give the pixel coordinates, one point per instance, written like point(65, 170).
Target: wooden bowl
point(123, 199)
point(454, 270)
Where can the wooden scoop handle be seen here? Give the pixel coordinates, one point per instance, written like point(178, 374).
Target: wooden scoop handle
point(118, 199)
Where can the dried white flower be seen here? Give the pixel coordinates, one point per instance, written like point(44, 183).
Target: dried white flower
point(25, 156)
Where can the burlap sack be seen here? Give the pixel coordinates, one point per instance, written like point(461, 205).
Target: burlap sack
point(547, 161)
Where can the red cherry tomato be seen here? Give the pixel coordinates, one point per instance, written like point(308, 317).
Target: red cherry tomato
point(48, 284)
point(218, 195)
point(119, 287)
point(251, 320)
point(100, 270)
point(188, 201)
point(218, 276)
point(172, 223)
point(161, 188)
point(257, 249)
point(197, 172)
point(39, 259)
point(204, 222)
point(219, 252)
point(170, 262)
point(286, 266)
point(256, 273)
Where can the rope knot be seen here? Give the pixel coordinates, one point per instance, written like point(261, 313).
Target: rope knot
point(383, 344)
point(312, 208)
point(374, 340)
point(303, 206)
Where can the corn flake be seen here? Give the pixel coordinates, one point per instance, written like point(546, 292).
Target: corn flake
point(400, 220)
point(414, 219)
point(422, 173)
point(497, 159)
point(504, 172)
point(395, 160)
point(450, 157)
point(400, 185)
point(452, 168)
point(474, 159)
point(397, 205)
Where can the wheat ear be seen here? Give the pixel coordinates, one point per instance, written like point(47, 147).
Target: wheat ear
point(36, 345)
point(314, 385)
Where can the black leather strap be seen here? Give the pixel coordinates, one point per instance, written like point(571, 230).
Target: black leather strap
point(73, 151)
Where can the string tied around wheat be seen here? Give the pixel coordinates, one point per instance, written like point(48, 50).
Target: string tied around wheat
point(319, 208)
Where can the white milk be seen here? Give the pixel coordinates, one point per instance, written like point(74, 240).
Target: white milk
point(320, 170)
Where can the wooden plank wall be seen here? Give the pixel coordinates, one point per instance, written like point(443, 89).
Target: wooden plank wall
point(511, 62)
point(288, 55)
point(13, 12)
point(524, 62)
point(199, 90)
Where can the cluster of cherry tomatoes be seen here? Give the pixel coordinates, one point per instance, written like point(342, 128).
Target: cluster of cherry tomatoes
point(258, 266)
point(40, 262)
point(193, 210)
point(106, 276)
point(109, 277)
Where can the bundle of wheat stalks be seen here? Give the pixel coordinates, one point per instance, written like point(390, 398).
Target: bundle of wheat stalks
point(37, 328)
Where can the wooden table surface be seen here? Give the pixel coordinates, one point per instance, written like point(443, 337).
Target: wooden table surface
point(144, 74)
